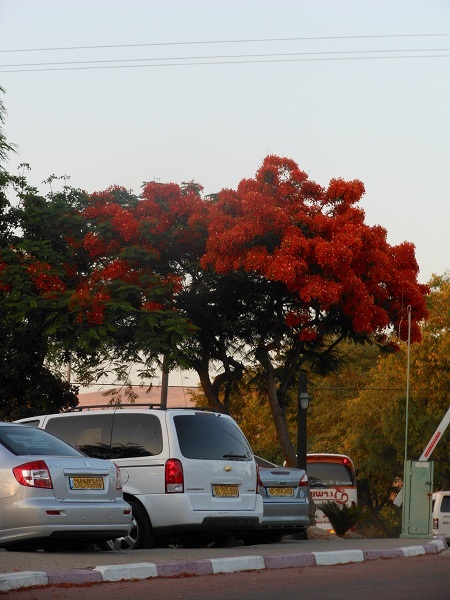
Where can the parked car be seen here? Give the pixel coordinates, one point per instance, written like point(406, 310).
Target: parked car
point(189, 474)
point(286, 506)
point(441, 514)
point(51, 493)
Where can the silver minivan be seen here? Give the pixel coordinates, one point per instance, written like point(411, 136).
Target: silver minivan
point(188, 474)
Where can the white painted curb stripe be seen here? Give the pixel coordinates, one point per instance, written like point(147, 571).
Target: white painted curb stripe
point(441, 545)
point(134, 571)
point(237, 563)
point(413, 550)
point(338, 557)
point(12, 581)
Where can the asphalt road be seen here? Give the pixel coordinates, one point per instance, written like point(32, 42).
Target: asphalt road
point(412, 578)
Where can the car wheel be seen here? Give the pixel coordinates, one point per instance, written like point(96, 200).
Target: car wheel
point(261, 537)
point(272, 537)
point(224, 540)
point(249, 539)
point(140, 536)
point(67, 545)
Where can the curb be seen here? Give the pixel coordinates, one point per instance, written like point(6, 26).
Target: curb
point(212, 566)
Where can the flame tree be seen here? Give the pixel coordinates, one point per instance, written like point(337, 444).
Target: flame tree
point(273, 275)
point(318, 272)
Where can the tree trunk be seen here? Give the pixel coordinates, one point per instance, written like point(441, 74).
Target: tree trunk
point(208, 388)
point(277, 412)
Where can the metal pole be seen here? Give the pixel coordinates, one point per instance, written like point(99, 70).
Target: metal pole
point(407, 383)
point(406, 500)
point(301, 422)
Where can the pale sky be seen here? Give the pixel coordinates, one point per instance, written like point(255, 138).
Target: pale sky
point(358, 89)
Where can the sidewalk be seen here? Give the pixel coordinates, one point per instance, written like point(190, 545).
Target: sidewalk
point(27, 569)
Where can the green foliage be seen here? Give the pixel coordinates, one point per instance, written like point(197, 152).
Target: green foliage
point(342, 517)
point(5, 147)
point(110, 298)
point(27, 387)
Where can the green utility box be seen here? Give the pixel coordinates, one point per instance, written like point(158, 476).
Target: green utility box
point(418, 490)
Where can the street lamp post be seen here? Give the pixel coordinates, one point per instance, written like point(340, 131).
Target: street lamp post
point(302, 409)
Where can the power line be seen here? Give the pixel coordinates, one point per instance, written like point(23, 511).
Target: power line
point(226, 62)
point(244, 41)
point(382, 389)
point(232, 56)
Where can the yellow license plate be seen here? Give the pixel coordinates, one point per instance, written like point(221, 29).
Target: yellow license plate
point(225, 491)
point(281, 492)
point(86, 483)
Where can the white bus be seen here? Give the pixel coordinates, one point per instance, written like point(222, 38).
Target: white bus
point(332, 478)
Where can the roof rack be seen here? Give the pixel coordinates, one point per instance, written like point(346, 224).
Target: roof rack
point(107, 405)
point(135, 405)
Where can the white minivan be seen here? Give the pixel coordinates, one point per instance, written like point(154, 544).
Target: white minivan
point(188, 474)
point(441, 514)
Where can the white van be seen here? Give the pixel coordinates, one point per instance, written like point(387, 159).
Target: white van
point(188, 474)
point(441, 514)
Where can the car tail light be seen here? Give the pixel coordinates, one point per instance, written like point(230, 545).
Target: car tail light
point(119, 484)
point(34, 474)
point(435, 523)
point(174, 476)
point(303, 480)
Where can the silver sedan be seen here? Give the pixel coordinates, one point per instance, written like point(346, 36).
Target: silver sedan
point(52, 495)
point(285, 494)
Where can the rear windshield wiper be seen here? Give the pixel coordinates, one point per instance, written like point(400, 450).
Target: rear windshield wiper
point(236, 456)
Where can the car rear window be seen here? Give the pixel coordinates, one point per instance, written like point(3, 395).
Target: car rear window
point(29, 441)
point(211, 436)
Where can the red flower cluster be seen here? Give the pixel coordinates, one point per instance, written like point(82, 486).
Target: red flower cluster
point(175, 282)
point(117, 269)
point(288, 230)
point(125, 224)
point(151, 306)
point(296, 318)
point(46, 283)
point(345, 191)
point(89, 305)
point(5, 287)
point(97, 247)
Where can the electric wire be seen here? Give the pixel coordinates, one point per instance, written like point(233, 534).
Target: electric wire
point(243, 41)
point(220, 57)
point(225, 62)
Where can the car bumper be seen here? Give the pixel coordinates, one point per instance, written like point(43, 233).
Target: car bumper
point(47, 518)
point(174, 512)
point(285, 515)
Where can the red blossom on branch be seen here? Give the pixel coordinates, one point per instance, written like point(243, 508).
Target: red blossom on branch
point(89, 305)
point(46, 282)
point(151, 306)
point(286, 229)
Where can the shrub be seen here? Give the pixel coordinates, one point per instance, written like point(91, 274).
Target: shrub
point(342, 517)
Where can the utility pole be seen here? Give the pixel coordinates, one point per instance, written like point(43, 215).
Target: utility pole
point(164, 382)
